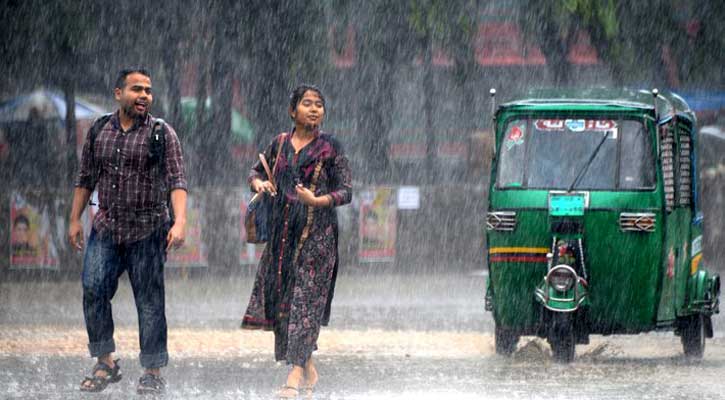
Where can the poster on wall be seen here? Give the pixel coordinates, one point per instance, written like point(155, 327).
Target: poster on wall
point(377, 225)
point(193, 253)
point(31, 236)
point(250, 253)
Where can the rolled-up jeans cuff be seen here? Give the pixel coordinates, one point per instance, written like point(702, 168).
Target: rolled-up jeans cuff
point(157, 360)
point(98, 349)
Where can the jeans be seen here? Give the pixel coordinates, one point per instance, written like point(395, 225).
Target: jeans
point(103, 264)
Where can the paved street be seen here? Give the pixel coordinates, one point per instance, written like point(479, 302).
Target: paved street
point(391, 336)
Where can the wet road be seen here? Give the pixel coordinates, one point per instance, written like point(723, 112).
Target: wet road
point(391, 337)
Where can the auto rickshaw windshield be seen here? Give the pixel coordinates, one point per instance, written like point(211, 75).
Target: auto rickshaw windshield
point(538, 153)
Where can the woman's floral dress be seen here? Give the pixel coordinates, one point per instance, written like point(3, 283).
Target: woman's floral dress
point(295, 280)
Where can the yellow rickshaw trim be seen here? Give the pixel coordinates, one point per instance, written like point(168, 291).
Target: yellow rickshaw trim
point(514, 250)
point(695, 263)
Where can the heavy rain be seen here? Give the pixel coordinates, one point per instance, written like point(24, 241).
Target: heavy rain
point(432, 284)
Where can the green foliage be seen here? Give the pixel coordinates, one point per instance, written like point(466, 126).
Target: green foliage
point(631, 37)
point(442, 21)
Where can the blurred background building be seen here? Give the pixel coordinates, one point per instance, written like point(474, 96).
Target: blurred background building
point(406, 83)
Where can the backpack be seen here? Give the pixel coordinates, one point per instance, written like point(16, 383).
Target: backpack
point(156, 154)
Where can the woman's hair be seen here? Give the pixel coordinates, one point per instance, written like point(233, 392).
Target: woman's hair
point(296, 95)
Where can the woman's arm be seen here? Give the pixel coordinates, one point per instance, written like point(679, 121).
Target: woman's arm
point(341, 181)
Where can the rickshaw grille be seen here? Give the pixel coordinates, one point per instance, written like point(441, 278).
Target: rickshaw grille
point(637, 222)
point(501, 221)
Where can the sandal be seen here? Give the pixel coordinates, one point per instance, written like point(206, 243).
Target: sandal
point(309, 387)
point(96, 383)
point(309, 390)
point(151, 384)
point(288, 392)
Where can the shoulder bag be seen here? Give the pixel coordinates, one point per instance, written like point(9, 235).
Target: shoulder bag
point(259, 209)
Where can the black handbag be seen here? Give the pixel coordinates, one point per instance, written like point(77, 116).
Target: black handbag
point(259, 209)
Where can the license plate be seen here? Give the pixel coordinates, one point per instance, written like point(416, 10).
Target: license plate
point(567, 205)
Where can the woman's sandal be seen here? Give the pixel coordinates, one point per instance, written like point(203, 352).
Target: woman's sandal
point(309, 390)
point(288, 392)
point(96, 383)
point(309, 387)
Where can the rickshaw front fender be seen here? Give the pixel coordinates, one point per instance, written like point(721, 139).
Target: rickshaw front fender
point(557, 301)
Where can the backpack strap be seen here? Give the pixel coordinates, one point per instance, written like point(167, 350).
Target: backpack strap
point(98, 124)
point(157, 156)
point(157, 142)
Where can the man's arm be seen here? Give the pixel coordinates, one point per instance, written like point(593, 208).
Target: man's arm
point(176, 181)
point(75, 229)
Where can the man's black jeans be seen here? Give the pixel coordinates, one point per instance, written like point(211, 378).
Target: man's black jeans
point(103, 264)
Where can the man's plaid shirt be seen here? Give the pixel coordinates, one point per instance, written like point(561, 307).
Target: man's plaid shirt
point(132, 197)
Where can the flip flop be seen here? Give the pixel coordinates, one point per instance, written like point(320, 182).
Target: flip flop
point(309, 391)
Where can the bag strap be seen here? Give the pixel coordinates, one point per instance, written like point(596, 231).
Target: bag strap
point(157, 141)
point(310, 212)
point(282, 137)
point(263, 160)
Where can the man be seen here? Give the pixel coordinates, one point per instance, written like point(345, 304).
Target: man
point(131, 229)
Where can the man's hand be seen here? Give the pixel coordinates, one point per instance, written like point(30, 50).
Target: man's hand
point(75, 235)
point(176, 236)
point(75, 229)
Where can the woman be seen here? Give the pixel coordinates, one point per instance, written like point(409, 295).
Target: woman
point(296, 276)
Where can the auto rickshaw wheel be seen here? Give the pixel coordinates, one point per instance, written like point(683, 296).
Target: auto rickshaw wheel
point(506, 341)
point(692, 335)
point(561, 337)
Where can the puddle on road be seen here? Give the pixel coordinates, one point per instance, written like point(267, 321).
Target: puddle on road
point(538, 351)
point(226, 343)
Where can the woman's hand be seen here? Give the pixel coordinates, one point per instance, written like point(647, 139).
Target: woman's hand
point(309, 199)
point(261, 186)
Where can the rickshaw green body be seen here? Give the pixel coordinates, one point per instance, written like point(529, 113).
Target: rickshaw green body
point(637, 280)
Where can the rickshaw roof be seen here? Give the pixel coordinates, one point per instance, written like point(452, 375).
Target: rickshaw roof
point(593, 99)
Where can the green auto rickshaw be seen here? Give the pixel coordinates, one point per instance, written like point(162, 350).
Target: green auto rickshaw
point(593, 223)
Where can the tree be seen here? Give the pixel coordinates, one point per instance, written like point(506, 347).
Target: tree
point(663, 42)
point(384, 43)
point(553, 25)
point(448, 25)
point(283, 43)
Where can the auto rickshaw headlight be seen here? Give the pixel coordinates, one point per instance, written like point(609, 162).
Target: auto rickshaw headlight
point(561, 278)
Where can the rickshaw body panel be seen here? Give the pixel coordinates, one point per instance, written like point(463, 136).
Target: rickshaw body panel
point(638, 281)
point(625, 281)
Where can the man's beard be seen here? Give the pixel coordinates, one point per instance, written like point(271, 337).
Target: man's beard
point(130, 111)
